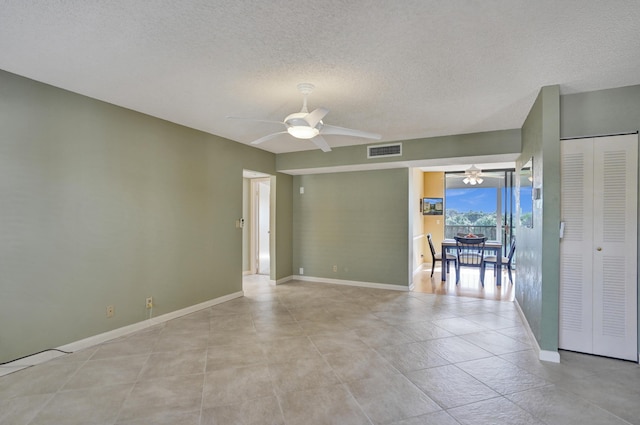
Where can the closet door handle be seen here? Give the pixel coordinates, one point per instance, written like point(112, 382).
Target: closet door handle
point(599, 248)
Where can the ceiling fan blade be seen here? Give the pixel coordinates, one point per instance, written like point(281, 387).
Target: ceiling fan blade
point(321, 143)
point(254, 119)
point(332, 129)
point(267, 137)
point(315, 116)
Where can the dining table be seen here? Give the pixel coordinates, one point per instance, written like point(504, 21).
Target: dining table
point(495, 247)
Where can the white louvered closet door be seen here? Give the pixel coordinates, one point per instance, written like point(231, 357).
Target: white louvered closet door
point(598, 277)
point(615, 302)
point(576, 287)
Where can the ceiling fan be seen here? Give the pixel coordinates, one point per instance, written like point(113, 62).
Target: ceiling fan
point(471, 176)
point(309, 125)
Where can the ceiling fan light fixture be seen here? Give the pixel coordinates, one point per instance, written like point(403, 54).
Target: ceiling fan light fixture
point(308, 125)
point(303, 131)
point(472, 176)
point(299, 128)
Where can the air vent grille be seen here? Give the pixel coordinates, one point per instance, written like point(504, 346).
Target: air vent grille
point(379, 151)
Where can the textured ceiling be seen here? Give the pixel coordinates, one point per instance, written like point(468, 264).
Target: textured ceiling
point(403, 69)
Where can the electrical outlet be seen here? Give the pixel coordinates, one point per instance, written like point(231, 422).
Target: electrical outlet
point(111, 310)
point(301, 271)
point(335, 268)
point(149, 302)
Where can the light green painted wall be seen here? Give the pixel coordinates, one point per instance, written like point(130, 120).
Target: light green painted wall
point(420, 252)
point(601, 112)
point(538, 249)
point(282, 245)
point(529, 241)
point(102, 205)
point(486, 143)
point(357, 221)
point(550, 217)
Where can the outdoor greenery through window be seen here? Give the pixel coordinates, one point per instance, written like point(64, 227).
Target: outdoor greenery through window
point(471, 210)
point(526, 201)
point(486, 208)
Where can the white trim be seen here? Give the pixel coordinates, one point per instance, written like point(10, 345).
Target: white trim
point(125, 330)
point(32, 360)
point(421, 236)
point(549, 356)
point(283, 280)
point(544, 355)
point(352, 283)
point(115, 333)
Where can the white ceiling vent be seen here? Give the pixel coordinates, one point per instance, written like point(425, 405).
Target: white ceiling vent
point(380, 151)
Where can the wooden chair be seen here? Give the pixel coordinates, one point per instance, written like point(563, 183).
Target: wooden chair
point(506, 261)
point(437, 256)
point(470, 253)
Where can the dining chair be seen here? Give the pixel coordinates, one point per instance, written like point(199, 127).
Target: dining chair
point(506, 261)
point(437, 256)
point(470, 253)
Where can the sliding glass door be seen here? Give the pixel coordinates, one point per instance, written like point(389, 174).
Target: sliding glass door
point(487, 208)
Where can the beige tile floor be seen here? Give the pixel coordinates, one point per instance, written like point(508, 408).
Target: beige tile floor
point(311, 353)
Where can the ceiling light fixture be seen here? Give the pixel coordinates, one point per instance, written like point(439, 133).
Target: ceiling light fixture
point(472, 176)
point(299, 128)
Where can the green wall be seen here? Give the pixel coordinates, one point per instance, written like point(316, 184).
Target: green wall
point(486, 143)
point(538, 250)
point(602, 112)
point(105, 206)
point(282, 245)
point(357, 221)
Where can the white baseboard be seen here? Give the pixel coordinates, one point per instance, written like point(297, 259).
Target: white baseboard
point(115, 333)
point(549, 356)
point(543, 355)
point(126, 330)
point(283, 280)
point(352, 283)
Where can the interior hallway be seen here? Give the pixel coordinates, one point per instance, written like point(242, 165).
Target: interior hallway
point(311, 353)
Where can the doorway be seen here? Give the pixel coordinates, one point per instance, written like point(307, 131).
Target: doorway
point(262, 234)
point(487, 208)
point(258, 211)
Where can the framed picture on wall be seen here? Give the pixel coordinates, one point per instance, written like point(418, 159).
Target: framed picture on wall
point(432, 206)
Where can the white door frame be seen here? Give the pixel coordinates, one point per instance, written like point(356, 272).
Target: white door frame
point(255, 224)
